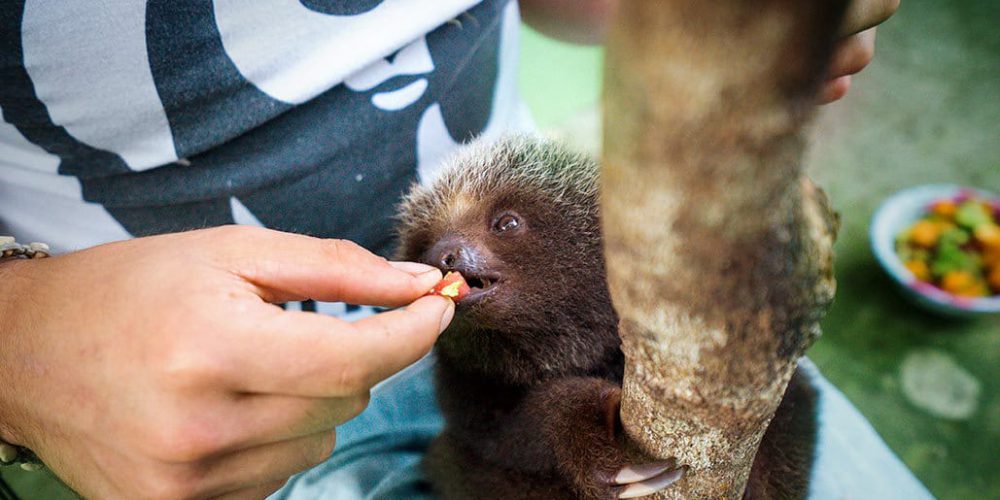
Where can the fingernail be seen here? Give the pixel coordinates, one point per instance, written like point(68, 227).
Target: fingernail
point(426, 275)
point(449, 313)
point(414, 268)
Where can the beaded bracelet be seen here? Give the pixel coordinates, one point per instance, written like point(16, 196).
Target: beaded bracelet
point(11, 454)
point(10, 248)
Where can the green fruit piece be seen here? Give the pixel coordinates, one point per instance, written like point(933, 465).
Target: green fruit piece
point(954, 237)
point(971, 214)
point(904, 252)
point(950, 256)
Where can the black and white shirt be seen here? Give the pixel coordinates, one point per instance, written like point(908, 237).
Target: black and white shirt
point(125, 118)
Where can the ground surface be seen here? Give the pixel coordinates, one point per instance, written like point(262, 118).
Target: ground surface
point(926, 111)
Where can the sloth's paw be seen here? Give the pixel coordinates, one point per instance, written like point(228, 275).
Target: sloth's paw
point(637, 479)
point(604, 463)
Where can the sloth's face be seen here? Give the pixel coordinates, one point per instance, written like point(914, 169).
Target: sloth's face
point(538, 304)
point(481, 256)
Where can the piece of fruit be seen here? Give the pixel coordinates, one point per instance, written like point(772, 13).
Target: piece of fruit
point(971, 214)
point(925, 233)
point(979, 290)
point(991, 257)
point(453, 286)
point(944, 208)
point(951, 257)
point(993, 279)
point(988, 235)
point(963, 284)
point(944, 225)
point(919, 269)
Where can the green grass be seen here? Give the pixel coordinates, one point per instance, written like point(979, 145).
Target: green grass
point(926, 111)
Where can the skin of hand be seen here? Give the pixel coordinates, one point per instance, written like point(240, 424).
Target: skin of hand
point(160, 367)
point(586, 21)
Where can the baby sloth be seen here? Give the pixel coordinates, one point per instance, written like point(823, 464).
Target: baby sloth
point(529, 373)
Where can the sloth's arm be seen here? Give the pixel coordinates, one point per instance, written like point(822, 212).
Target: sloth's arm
point(576, 418)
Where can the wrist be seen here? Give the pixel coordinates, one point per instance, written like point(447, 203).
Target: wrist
point(14, 258)
point(12, 278)
point(15, 261)
point(16, 276)
point(15, 283)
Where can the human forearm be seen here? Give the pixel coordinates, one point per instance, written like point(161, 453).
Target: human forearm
point(576, 21)
point(14, 300)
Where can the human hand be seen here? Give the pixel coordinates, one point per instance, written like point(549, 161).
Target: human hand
point(856, 50)
point(159, 368)
point(574, 21)
point(586, 21)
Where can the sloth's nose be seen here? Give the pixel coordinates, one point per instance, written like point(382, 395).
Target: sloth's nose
point(455, 253)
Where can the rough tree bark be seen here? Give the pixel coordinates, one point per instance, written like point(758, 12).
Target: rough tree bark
point(718, 248)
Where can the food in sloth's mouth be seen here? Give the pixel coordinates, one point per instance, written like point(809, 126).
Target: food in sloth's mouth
point(453, 286)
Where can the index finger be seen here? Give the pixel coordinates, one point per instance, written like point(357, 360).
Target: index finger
point(864, 14)
point(287, 266)
point(313, 355)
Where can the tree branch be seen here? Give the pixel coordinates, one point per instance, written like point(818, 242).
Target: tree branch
point(718, 249)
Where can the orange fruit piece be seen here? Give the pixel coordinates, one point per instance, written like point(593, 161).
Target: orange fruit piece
point(988, 235)
point(925, 233)
point(944, 208)
point(963, 284)
point(994, 279)
point(453, 286)
point(919, 269)
point(991, 256)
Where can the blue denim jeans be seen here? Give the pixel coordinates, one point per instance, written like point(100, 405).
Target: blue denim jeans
point(378, 454)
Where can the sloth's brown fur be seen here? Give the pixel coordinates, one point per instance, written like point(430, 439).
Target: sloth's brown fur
point(560, 320)
point(527, 378)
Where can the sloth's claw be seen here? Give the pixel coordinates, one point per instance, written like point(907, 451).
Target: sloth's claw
point(641, 472)
point(651, 485)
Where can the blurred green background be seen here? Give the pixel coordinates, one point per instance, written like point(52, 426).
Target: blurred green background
point(926, 111)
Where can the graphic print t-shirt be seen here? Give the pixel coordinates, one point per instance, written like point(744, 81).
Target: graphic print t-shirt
point(123, 118)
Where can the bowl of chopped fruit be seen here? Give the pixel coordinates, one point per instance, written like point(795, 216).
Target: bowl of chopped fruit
point(941, 243)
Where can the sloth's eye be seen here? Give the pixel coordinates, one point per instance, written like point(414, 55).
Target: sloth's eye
point(506, 222)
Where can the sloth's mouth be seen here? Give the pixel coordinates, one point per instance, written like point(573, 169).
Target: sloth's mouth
point(481, 285)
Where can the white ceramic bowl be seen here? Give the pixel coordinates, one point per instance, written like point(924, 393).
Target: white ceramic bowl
point(899, 212)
